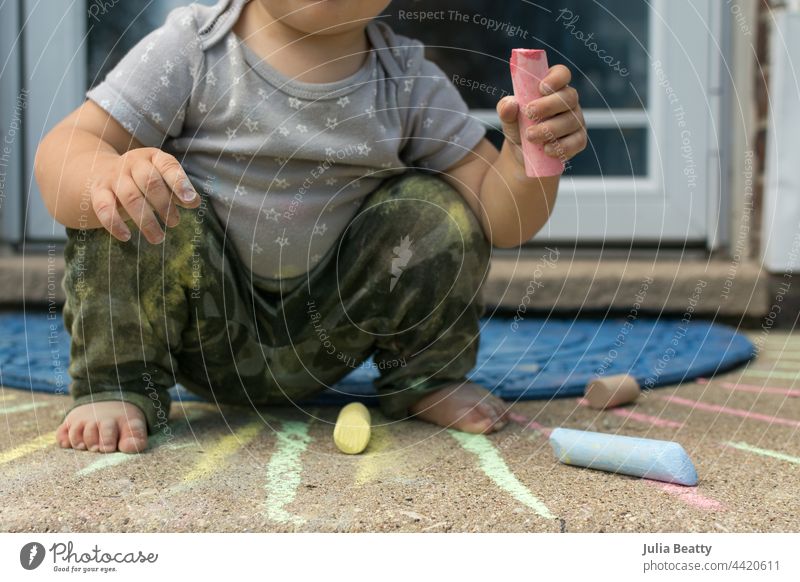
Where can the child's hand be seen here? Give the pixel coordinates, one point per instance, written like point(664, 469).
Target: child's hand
point(136, 185)
point(558, 116)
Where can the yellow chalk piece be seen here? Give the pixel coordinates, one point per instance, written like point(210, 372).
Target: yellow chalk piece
point(352, 430)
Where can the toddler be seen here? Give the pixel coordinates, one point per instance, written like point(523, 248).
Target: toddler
point(263, 194)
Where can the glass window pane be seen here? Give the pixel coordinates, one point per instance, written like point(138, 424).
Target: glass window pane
point(604, 43)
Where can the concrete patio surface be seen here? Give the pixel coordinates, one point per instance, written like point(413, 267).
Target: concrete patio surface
point(278, 470)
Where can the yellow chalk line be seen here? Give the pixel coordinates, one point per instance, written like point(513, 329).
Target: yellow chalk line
point(284, 471)
point(40, 442)
point(375, 460)
point(764, 452)
point(7, 397)
point(225, 447)
point(493, 465)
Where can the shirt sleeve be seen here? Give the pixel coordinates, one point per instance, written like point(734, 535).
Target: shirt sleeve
point(439, 128)
point(148, 90)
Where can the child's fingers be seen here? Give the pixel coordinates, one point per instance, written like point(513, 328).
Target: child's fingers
point(104, 204)
point(568, 146)
point(508, 110)
point(176, 179)
point(545, 107)
point(555, 127)
point(557, 78)
point(139, 210)
point(155, 191)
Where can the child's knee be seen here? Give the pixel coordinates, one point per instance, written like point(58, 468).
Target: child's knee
point(418, 205)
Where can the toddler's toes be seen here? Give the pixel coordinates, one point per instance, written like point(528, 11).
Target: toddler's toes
point(480, 419)
point(62, 436)
point(132, 435)
point(91, 435)
point(109, 435)
point(76, 436)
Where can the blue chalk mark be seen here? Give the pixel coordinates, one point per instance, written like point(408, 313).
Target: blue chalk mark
point(660, 460)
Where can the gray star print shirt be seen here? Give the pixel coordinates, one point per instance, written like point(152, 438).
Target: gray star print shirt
point(285, 164)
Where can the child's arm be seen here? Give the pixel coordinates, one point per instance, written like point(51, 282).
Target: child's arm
point(511, 206)
point(93, 173)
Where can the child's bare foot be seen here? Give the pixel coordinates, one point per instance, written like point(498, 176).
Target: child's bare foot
point(104, 427)
point(467, 407)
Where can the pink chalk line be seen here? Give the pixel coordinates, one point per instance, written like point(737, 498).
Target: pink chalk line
point(732, 411)
point(528, 423)
point(688, 495)
point(645, 418)
point(752, 388)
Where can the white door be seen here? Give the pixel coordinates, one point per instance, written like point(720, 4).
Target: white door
point(648, 75)
point(676, 198)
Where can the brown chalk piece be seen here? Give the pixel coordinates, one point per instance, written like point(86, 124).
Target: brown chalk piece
point(612, 391)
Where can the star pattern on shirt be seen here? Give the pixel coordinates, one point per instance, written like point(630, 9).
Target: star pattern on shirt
point(331, 181)
point(240, 190)
point(263, 93)
point(408, 84)
point(343, 101)
point(282, 183)
point(283, 130)
point(427, 123)
point(329, 152)
point(164, 81)
point(282, 241)
point(211, 79)
point(363, 149)
point(239, 157)
point(320, 229)
point(168, 66)
point(301, 128)
point(295, 103)
point(202, 107)
point(370, 111)
point(331, 122)
point(256, 248)
point(271, 214)
point(251, 125)
point(280, 161)
point(156, 117)
point(230, 132)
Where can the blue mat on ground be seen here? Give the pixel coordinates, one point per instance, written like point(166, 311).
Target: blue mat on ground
point(531, 359)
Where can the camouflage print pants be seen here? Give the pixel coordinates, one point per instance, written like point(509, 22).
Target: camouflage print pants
point(403, 284)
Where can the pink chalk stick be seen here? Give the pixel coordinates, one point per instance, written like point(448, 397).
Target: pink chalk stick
point(528, 68)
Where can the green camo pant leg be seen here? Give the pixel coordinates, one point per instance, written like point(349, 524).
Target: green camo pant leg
point(406, 284)
point(140, 315)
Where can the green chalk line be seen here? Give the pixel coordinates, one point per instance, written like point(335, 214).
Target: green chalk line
point(23, 407)
point(112, 459)
point(765, 452)
point(772, 374)
point(493, 465)
point(284, 471)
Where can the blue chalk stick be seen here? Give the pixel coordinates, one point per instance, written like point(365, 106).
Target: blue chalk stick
point(659, 460)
